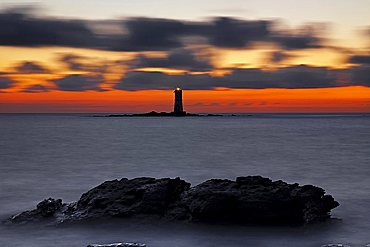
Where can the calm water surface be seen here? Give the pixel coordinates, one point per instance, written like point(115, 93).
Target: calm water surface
point(63, 156)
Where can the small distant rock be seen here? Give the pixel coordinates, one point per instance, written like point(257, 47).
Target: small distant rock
point(118, 245)
point(335, 245)
point(156, 114)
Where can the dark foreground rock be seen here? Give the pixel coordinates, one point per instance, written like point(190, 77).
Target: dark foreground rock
point(247, 200)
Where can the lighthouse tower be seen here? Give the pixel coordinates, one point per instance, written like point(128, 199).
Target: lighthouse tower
point(178, 108)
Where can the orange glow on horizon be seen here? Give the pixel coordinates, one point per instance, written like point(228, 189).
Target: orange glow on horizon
point(343, 99)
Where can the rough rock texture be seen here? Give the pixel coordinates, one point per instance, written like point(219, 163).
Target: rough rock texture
point(124, 198)
point(44, 210)
point(252, 199)
point(257, 200)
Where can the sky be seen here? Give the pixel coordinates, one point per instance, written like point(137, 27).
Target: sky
point(228, 56)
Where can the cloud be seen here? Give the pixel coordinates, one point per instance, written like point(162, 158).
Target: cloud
point(361, 75)
point(234, 33)
point(72, 62)
point(30, 68)
point(93, 65)
point(360, 59)
point(24, 28)
point(5, 83)
point(177, 59)
point(137, 80)
point(147, 34)
point(79, 83)
point(278, 56)
point(292, 42)
point(290, 77)
point(303, 76)
point(21, 28)
point(36, 89)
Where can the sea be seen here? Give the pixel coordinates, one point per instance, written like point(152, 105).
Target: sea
point(65, 155)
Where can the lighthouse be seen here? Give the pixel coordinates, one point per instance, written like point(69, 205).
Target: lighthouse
point(178, 108)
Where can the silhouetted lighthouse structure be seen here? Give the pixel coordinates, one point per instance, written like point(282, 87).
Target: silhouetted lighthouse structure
point(178, 108)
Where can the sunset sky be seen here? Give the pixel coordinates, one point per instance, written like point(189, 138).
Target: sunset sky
point(228, 56)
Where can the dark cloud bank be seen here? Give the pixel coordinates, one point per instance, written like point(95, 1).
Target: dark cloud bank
point(177, 59)
point(29, 67)
point(79, 83)
point(290, 77)
point(22, 28)
point(360, 59)
point(5, 83)
point(36, 89)
point(293, 77)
